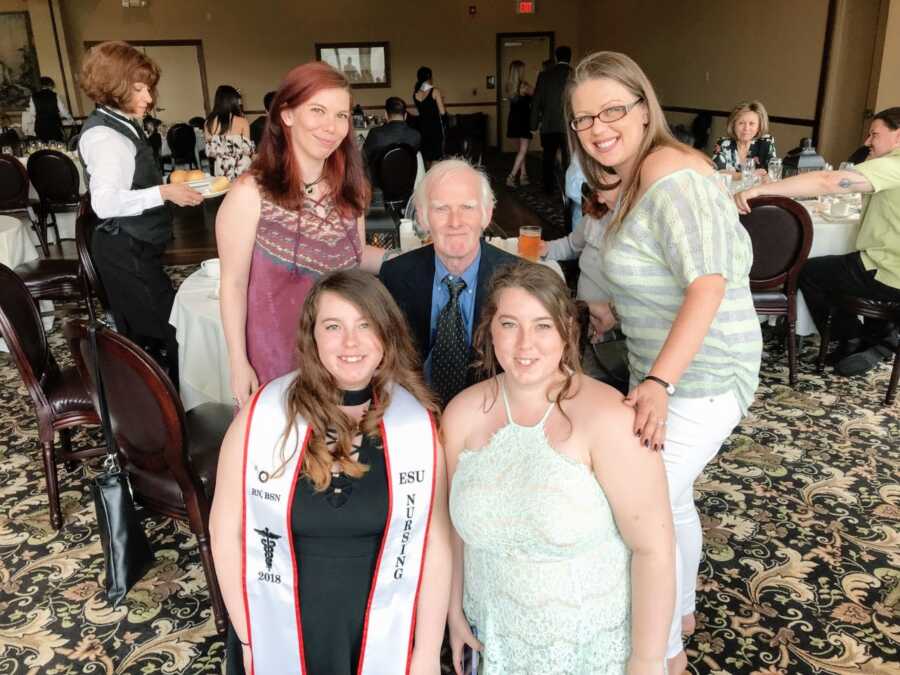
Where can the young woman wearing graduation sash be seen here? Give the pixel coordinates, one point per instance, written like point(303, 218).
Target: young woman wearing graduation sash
point(329, 523)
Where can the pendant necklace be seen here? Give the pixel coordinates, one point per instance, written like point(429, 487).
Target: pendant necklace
point(309, 186)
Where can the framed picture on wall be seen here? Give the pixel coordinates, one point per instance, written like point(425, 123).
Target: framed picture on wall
point(18, 61)
point(365, 64)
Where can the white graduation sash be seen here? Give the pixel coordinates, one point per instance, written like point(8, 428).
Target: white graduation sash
point(269, 567)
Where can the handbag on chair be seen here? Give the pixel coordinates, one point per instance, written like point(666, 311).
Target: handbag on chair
point(126, 551)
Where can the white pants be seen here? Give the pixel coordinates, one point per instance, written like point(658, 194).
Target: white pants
point(695, 430)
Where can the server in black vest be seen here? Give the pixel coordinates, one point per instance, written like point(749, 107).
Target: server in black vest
point(128, 196)
point(47, 113)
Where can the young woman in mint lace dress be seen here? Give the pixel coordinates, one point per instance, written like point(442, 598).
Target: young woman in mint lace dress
point(563, 556)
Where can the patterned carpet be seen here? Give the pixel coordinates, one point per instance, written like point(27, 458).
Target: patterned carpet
point(801, 575)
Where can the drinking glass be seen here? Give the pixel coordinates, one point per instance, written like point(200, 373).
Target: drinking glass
point(774, 169)
point(530, 242)
point(747, 169)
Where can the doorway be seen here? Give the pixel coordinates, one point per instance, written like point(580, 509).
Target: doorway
point(182, 91)
point(530, 48)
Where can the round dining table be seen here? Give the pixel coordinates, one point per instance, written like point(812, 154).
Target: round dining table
point(831, 236)
point(203, 371)
point(16, 247)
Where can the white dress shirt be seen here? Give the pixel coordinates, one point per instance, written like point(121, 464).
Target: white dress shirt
point(109, 158)
point(29, 113)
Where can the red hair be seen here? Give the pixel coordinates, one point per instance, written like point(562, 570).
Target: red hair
point(275, 167)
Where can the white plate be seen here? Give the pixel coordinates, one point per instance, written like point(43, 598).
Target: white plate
point(210, 195)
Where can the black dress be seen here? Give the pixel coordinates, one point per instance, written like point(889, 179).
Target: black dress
point(430, 127)
point(337, 534)
point(519, 121)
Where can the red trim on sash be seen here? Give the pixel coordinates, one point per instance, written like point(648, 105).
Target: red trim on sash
point(412, 627)
point(387, 525)
point(289, 529)
point(253, 401)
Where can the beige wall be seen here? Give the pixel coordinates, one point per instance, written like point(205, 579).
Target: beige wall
point(253, 49)
point(889, 82)
point(714, 53)
point(843, 121)
point(701, 54)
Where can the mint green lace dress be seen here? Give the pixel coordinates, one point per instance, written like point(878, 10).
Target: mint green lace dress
point(546, 575)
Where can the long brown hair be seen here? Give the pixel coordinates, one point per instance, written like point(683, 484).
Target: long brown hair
point(622, 69)
point(548, 288)
point(275, 167)
point(315, 396)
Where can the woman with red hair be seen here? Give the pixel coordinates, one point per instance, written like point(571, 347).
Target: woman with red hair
point(297, 214)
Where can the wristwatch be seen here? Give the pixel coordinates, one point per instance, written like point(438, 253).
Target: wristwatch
point(670, 388)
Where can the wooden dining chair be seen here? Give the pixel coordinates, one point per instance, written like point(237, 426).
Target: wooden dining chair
point(57, 183)
point(781, 232)
point(873, 309)
point(14, 198)
point(171, 455)
point(58, 395)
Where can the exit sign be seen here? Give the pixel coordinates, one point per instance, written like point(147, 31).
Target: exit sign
point(525, 7)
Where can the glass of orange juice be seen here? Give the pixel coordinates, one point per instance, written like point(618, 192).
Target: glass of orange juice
point(530, 242)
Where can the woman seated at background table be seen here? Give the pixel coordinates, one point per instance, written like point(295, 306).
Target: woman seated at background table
point(343, 453)
point(227, 134)
point(564, 557)
point(747, 138)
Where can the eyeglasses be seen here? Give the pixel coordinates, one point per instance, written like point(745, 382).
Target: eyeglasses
point(612, 114)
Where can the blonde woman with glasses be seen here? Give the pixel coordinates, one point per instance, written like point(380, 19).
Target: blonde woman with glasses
point(675, 262)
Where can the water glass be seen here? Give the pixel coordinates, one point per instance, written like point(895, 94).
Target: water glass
point(774, 169)
point(747, 169)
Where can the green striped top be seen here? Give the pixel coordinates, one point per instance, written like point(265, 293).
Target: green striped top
point(683, 227)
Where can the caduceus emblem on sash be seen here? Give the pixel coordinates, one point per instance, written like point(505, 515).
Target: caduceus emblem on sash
point(268, 543)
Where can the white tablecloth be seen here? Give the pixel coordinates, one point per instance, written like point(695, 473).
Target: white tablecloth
point(15, 245)
point(17, 248)
point(511, 245)
point(830, 237)
point(202, 353)
point(66, 220)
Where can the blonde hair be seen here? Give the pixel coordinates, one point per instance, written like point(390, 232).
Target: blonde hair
point(622, 69)
point(748, 106)
point(516, 69)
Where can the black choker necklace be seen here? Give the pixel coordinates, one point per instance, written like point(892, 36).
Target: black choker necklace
point(356, 396)
point(309, 186)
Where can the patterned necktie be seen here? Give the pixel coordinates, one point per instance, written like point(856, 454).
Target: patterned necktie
point(450, 353)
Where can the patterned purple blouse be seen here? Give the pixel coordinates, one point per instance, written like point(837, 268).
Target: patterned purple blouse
point(291, 252)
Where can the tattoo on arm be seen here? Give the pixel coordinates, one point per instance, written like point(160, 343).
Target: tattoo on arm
point(848, 184)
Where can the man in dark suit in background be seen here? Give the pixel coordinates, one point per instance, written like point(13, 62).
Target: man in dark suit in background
point(548, 114)
point(258, 125)
point(441, 288)
point(394, 131)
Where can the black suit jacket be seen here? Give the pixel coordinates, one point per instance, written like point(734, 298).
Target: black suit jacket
point(391, 133)
point(410, 278)
point(547, 106)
